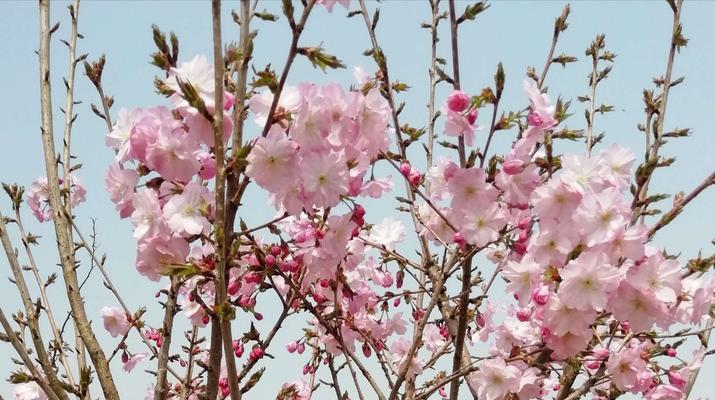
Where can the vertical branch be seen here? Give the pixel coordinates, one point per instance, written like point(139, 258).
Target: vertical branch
point(31, 311)
point(467, 265)
point(455, 71)
point(161, 389)
point(62, 226)
point(676, 42)
point(43, 293)
point(222, 317)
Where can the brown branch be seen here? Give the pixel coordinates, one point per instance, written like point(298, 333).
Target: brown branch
point(31, 311)
point(22, 352)
point(61, 224)
point(678, 208)
point(161, 388)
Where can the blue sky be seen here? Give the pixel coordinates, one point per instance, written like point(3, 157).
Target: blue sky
point(516, 33)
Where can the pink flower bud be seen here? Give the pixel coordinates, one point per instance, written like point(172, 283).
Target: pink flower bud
point(405, 169)
point(513, 167)
point(256, 354)
point(259, 316)
point(481, 322)
point(205, 319)
point(534, 119)
point(223, 385)
point(233, 286)
point(359, 211)
point(418, 313)
point(671, 352)
point(541, 295)
point(523, 236)
point(442, 392)
point(523, 314)
point(593, 364)
point(524, 224)
point(472, 117)
point(519, 248)
point(366, 350)
point(458, 101)
point(275, 250)
point(292, 347)
point(238, 350)
point(125, 357)
point(306, 369)
point(400, 278)
point(676, 379)
point(379, 345)
point(396, 302)
point(270, 260)
point(301, 348)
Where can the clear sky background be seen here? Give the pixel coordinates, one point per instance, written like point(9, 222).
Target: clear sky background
point(516, 33)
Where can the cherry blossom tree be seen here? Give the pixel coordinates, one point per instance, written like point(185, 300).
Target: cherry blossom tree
point(593, 307)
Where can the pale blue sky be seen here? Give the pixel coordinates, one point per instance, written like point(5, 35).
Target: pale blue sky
point(516, 33)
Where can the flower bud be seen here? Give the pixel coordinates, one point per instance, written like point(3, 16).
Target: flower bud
point(523, 314)
point(458, 101)
point(676, 379)
point(513, 167)
point(366, 350)
point(534, 119)
point(541, 295)
point(671, 352)
point(301, 348)
point(472, 117)
point(292, 347)
point(270, 260)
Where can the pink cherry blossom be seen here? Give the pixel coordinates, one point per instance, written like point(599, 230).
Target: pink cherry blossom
point(273, 161)
point(587, 281)
point(28, 391)
point(325, 178)
point(133, 361)
point(147, 217)
point(187, 213)
point(38, 198)
point(115, 320)
point(495, 379)
point(120, 185)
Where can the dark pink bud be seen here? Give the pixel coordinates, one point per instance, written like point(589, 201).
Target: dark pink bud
point(541, 295)
point(366, 350)
point(405, 169)
point(270, 260)
point(481, 322)
point(513, 167)
point(593, 364)
point(472, 117)
point(400, 278)
point(258, 316)
point(458, 101)
point(275, 250)
point(359, 211)
point(520, 248)
point(396, 302)
point(523, 314)
point(534, 119)
point(256, 354)
point(233, 286)
point(523, 236)
point(238, 350)
point(418, 313)
point(671, 352)
point(125, 357)
point(524, 224)
point(205, 319)
point(301, 348)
